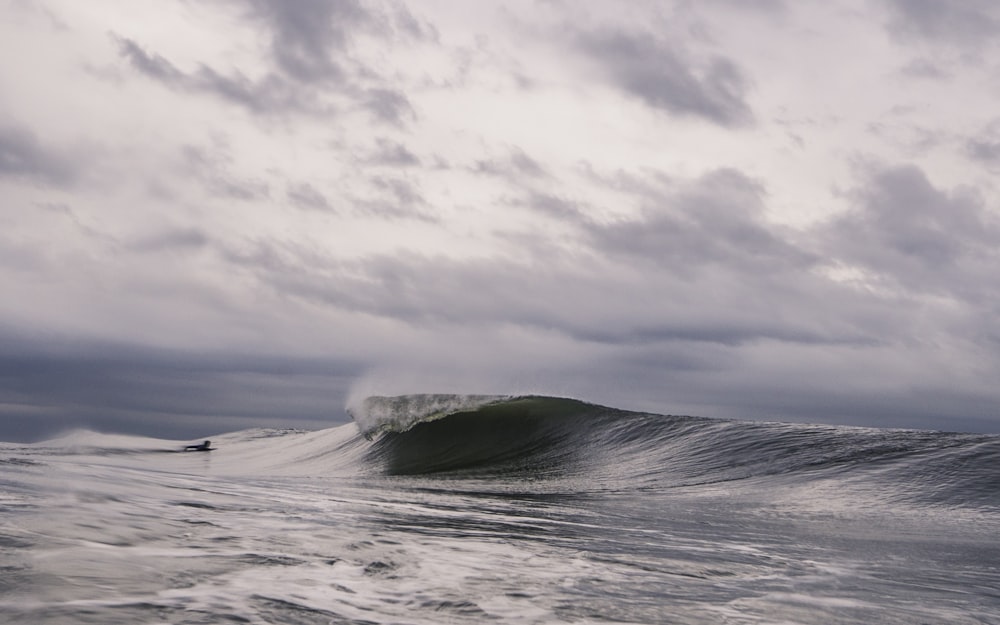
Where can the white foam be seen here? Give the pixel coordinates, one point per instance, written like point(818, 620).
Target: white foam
point(399, 413)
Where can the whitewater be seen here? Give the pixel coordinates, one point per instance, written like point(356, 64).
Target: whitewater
point(481, 509)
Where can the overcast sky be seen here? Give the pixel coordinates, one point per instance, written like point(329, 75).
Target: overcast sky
point(235, 213)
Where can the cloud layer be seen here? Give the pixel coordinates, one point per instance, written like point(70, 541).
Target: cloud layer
point(229, 214)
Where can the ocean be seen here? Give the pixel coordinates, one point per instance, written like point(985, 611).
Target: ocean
point(433, 509)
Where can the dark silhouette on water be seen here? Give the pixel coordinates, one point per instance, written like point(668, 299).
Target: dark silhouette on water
point(206, 446)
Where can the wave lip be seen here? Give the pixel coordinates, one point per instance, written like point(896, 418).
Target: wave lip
point(379, 414)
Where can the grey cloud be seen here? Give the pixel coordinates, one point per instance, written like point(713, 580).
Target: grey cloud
point(406, 24)
point(656, 73)
point(306, 33)
point(311, 62)
point(401, 190)
point(649, 183)
point(526, 165)
point(965, 23)
point(514, 166)
point(767, 6)
point(272, 94)
point(910, 138)
point(585, 306)
point(80, 226)
point(157, 393)
point(17, 256)
point(395, 198)
point(211, 168)
point(177, 239)
point(985, 146)
point(152, 65)
point(984, 150)
point(246, 190)
point(312, 58)
point(904, 230)
point(731, 332)
point(304, 195)
point(926, 69)
point(606, 299)
point(392, 154)
point(22, 155)
point(560, 208)
point(799, 399)
point(715, 220)
point(389, 106)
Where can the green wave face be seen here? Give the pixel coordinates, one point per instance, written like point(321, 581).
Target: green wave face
point(535, 437)
point(528, 436)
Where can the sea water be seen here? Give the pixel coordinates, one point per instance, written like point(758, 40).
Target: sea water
point(434, 509)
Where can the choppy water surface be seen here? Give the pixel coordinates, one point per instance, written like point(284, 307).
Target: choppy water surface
point(525, 510)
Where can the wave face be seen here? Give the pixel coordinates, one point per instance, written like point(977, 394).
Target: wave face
point(538, 437)
point(527, 436)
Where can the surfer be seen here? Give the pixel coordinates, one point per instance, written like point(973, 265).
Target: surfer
point(206, 446)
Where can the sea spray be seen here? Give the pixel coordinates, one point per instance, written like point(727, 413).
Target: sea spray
point(377, 414)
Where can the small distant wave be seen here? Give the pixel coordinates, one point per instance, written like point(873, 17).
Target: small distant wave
point(89, 442)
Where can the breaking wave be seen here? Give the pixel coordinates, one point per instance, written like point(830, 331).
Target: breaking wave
point(574, 446)
point(609, 449)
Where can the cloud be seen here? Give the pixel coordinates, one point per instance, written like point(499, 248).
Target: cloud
point(305, 34)
point(272, 94)
point(925, 69)
point(514, 166)
point(656, 73)
point(605, 194)
point(700, 264)
point(160, 393)
point(390, 153)
point(152, 65)
point(905, 232)
point(716, 219)
point(393, 197)
point(389, 106)
point(970, 23)
point(984, 151)
point(310, 38)
point(557, 207)
point(304, 195)
point(24, 156)
point(984, 148)
point(210, 165)
point(766, 6)
point(167, 240)
point(310, 67)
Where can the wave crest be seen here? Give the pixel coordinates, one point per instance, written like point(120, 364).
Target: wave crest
point(379, 414)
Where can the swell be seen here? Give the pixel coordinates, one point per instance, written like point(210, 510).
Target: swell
point(608, 449)
point(578, 447)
